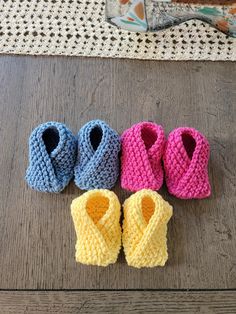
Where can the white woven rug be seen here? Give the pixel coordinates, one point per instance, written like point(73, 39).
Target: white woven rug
point(77, 28)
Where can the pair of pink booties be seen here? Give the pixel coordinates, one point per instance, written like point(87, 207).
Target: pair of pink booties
point(185, 156)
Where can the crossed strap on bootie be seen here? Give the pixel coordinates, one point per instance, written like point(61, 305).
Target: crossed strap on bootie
point(142, 150)
point(146, 215)
point(185, 161)
point(98, 161)
point(96, 216)
point(52, 156)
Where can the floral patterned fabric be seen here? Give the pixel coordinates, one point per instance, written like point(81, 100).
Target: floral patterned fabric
point(153, 15)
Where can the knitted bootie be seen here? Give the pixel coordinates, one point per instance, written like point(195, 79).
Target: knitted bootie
point(185, 161)
point(52, 156)
point(144, 229)
point(96, 216)
point(98, 163)
point(142, 149)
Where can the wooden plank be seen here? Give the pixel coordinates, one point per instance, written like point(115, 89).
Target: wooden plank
point(118, 302)
point(37, 235)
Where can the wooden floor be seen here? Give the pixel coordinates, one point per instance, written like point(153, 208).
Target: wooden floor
point(37, 237)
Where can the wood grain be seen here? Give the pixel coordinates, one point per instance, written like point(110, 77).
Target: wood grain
point(118, 302)
point(37, 235)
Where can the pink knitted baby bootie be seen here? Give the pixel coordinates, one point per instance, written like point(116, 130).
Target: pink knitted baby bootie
point(185, 162)
point(142, 150)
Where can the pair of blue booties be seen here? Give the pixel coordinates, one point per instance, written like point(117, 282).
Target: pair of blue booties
point(56, 155)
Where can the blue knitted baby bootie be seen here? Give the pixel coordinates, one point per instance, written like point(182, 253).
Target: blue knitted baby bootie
point(52, 157)
point(98, 163)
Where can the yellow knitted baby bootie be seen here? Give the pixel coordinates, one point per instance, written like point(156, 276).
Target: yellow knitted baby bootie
point(96, 216)
point(144, 229)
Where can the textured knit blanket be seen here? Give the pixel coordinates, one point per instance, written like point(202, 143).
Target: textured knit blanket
point(78, 28)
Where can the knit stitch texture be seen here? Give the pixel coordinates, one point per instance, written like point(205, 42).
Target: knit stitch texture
point(98, 162)
point(52, 157)
point(142, 149)
point(185, 161)
point(146, 215)
point(96, 216)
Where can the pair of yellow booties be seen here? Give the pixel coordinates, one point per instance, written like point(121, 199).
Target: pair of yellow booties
point(96, 216)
